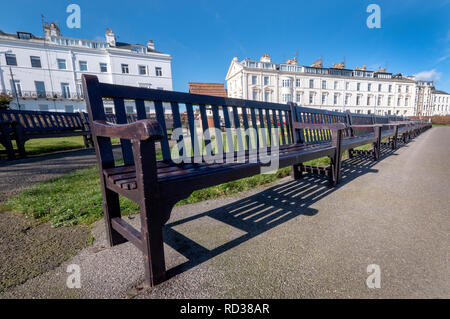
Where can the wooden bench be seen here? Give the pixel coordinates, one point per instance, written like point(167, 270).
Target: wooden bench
point(6, 136)
point(25, 125)
point(290, 134)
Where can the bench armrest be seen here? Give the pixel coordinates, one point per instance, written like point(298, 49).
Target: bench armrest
point(141, 130)
point(322, 126)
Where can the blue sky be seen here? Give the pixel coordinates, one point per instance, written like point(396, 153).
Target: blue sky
point(204, 35)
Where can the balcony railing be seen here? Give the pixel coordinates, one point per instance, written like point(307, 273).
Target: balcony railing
point(43, 95)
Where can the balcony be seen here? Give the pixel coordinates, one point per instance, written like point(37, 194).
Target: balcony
point(24, 95)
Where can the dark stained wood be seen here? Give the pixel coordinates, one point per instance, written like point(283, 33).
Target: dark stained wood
point(306, 134)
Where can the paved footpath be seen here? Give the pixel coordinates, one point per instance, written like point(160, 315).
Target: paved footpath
point(295, 239)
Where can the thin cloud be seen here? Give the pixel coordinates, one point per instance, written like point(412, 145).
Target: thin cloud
point(430, 75)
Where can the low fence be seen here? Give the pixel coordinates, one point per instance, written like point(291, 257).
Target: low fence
point(437, 119)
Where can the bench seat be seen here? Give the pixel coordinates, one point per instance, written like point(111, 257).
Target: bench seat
point(123, 178)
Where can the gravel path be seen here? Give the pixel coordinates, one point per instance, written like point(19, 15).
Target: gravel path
point(20, 174)
point(295, 239)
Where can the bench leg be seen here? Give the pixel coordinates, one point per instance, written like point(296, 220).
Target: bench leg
point(152, 243)
point(297, 171)
point(20, 140)
point(336, 160)
point(351, 153)
point(7, 143)
point(111, 209)
point(86, 141)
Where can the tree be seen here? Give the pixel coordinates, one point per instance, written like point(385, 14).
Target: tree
point(4, 101)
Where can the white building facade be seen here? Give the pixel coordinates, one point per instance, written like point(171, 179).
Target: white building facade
point(441, 103)
point(335, 89)
point(44, 73)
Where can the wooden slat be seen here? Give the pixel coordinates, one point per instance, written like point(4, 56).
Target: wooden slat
point(216, 118)
point(237, 125)
point(177, 125)
point(140, 109)
point(248, 139)
point(193, 131)
point(230, 141)
point(162, 122)
point(121, 117)
point(255, 126)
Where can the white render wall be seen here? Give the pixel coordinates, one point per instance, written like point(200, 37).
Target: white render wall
point(240, 85)
point(441, 104)
point(53, 77)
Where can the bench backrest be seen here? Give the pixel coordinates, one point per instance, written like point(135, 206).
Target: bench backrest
point(32, 121)
point(315, 116)
point(193, 115)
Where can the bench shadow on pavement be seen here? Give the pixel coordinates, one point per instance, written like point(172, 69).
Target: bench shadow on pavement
point(263, 211)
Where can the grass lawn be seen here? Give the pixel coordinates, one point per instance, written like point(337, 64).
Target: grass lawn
point(48, 145)
point(76, 198)
point(41, 146)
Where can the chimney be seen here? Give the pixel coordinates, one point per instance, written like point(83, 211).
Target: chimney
point(150, 45)
point(110, 37)
point(265, 58)
point(51, 30)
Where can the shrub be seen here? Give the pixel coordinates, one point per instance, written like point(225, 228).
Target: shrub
point(4, 101)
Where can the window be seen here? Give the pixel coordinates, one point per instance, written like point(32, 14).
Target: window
point(358, 100)
point(11, 59)
point(287, 98)
point(286, 83)
point(266, 96)
point(62, 64)
point(335, 85)
point(297, 82)
point(406, 101)
point(311, 97)
point(368, 100)
point(125, 69)
point(399, 101)
point(103, 67)
point(324, 98)
point(130, 109)
point(390, 88)
point(379, 100)
point(324, 84)
point(335, 100)
point(43, 107)
point(347, 97)
point(17, 87)
point(266, 80)
point(347, 85)
point(108, 110)
point(83, 66)
point(358, 86)
point(369, 87)
point(407, 89)
point(158, 71)
point(255, 95)
point(68, 108)
point(399, 89)
point(35, 62)
point(40, 89)
point(311, 84)
point(142, 70)
point(65, 89)
point(298, 98)
point(379, 87)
